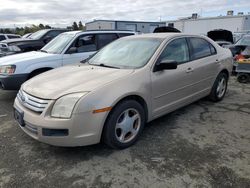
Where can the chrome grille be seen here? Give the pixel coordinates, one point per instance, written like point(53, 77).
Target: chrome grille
point(32, 103)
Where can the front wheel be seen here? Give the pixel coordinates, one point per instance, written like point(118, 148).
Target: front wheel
point(219, 88)
point(124, 125)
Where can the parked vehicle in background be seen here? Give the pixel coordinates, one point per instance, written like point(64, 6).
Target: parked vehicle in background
point(129, 82)
point(26, 35)
point(166, 29)
point(221, 37)
point(223, 43)
point(238, 35)
point(242, 65)
point(240, 50)
point(35, 42)
point(8, 36)
point(67, 48)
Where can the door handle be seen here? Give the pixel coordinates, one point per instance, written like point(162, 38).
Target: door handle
point(189, 70)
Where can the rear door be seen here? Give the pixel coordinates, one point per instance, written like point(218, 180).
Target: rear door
point(85, 45)
point(205, 64)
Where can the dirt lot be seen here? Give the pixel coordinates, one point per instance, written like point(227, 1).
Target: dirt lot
point(201, 145)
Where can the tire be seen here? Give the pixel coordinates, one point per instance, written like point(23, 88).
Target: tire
point(219, 88)
point(127, 116)
point(243, 78)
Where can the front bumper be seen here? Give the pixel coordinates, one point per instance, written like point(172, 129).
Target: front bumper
point(12, 82)
point(81, 130)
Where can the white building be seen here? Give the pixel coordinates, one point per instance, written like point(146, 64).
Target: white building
point(196, 25)
point(137, 26)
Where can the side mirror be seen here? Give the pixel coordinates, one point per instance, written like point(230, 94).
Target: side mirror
point(166, 65)
point(72, 50)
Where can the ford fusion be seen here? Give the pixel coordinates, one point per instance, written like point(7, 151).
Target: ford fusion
point(128, 83)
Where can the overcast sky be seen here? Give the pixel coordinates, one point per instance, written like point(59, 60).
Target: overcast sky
point(64, 12)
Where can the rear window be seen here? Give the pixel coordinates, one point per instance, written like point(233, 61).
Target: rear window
point(2, 37)
point(53, 34)
point(13, 36)
point(104, 39)
point(201, 48)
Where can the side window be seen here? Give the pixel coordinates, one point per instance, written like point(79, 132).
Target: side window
point(85, 43)
point(201, 48)
point(2, 37)
point(213, 50)
point(13, 36)
point(177, 50)
point(53, 34)
point(104, 39)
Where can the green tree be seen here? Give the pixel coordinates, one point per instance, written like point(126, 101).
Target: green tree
point(75, 26)
point(41, 26)
point(47, 27)
point(80, 26)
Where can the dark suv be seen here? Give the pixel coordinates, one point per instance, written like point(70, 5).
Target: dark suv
point(34, 42)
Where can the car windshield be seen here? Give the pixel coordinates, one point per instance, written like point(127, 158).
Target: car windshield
point(58, 44)
point(245, 41)
point(126, 53)
point(38, 34)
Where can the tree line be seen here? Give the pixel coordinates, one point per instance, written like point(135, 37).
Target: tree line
point(33, 28)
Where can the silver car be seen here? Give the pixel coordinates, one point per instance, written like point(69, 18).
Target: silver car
point(128, 83)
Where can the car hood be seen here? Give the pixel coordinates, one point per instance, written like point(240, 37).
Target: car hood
point(70, 79)
point(31, 57)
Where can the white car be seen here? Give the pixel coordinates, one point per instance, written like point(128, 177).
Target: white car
point(67, 48)
point(8, 36)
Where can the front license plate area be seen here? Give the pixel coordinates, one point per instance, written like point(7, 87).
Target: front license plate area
point(19, 117)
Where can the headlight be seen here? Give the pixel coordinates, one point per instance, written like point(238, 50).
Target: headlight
point(7, 69)
point(14, 48)
point(64, 106)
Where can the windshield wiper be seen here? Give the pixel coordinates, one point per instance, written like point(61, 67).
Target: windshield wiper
point(43, 51)
point(108, 66)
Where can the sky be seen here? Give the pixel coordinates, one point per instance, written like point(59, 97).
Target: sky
point(61, 13)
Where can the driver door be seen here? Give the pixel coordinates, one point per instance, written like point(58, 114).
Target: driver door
point(170, 88)
point(85, 46)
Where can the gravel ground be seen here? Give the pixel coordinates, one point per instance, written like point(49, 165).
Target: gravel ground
point(202, 145)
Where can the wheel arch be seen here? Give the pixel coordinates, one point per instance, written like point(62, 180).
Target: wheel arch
point(39, 70)
point(226, 72)
point(134, 97)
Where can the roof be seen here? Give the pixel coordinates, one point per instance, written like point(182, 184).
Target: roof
point(9, 34)
point(127, 21)
point(160, 35)
point(209, 18)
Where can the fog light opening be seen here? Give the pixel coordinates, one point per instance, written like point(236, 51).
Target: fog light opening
point(55, 132)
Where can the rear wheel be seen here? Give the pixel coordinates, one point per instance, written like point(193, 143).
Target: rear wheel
point(124, 125)
point(219, 88)
point(243, 77)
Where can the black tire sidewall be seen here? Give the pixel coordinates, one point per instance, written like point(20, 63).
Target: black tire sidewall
point(109, 128)
point(245, 76)
point(214, 96)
